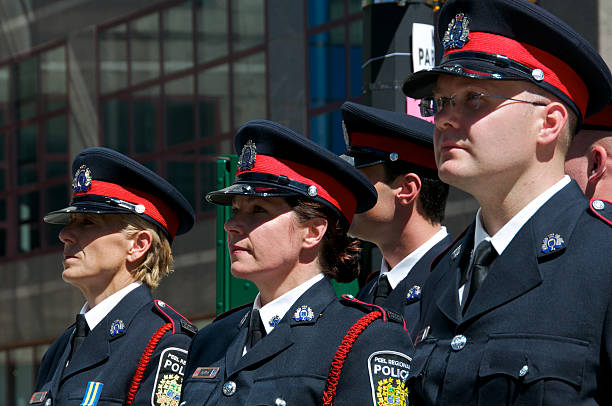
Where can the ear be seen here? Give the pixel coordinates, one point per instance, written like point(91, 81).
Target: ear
point(315, 230)
point(597, 160)
point(140, 244)
point(410, 188)
point(555, 117)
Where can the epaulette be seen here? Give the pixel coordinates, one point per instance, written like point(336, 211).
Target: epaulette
point(387, 315)
point(231, 311)
point(602, 209)
point(178, 321)
point(373, 275)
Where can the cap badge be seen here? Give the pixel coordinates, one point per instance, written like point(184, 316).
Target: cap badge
point(303, 313)
point(552, 242)
point(457, 33)
point(117, 327)
point(247, 156)
point(414, 294)
point(274, 321)
point(82, 180)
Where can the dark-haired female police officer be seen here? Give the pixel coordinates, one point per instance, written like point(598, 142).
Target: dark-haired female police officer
point(292, 203)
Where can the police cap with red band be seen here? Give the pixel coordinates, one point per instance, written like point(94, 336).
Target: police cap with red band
point(277, 162)
point(108, 182)
point(374, 136)
point(517, 40)
point(601, 121)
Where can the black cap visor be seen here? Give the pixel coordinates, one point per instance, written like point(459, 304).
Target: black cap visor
point(225, 196)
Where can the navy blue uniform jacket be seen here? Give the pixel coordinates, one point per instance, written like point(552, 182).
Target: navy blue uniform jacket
point(291, 364)
point(539, 329)
point(417, 276)
point(112, 360)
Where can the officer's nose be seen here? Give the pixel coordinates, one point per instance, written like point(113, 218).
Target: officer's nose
point(67, 235)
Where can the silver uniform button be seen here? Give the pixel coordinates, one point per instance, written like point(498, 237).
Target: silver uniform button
point(280, 402)
point(598, 205)
point(229, 388)
point(48, 402)
point(524, 371)
point(458, 342)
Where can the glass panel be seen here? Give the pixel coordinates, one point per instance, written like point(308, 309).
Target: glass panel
point(28, 216)
point(56, 198)
point(2, 146)
point(182, 176)
point(327, 67)
point(23, 374)
point(2, 180)
point(113, 59)
point(26, 77)
point(2, 210)
point(326, 130)
point(144, 48)
point(56, 135)
point(214, 101)
point(179, 111)
point(355, 6)
point(249, 89)
point(208, 180)
point(5, 89)
point(145, 112)
point(56, 169)
point(178, 38)
point(26, 154)
point(212, 29)
point(4, 373)
point(322, 11)
point(115, 124)
point(248, 23)
point(355, 57)
point(53, 79)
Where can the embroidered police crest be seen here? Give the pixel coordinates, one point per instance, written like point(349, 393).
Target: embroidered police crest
point(552, 242)
point(82, 180)
point(457, 34)
point(247, 156)
point(169, 378)
point(388, 374)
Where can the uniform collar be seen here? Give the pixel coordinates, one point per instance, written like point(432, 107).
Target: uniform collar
point(505, 235)
point(401, 270)
point(99, 312)
point(274, 311)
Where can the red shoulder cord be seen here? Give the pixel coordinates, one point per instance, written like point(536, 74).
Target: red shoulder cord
point(144, 361)
point(342, 353)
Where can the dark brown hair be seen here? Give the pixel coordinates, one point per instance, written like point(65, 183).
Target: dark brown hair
point(339, 255)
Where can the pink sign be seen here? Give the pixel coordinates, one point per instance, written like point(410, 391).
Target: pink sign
point(413, 109)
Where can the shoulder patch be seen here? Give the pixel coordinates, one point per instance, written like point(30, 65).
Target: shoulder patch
point(179, 322)
point(602, 209)
point(231, 311)
point(169, 377)
point(388, 372)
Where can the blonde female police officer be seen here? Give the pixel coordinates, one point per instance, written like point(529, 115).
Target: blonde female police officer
point(293, 202)
point(125, 348)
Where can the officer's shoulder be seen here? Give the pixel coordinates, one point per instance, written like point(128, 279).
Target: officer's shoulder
point(236, 312)
point(369, 310)
point(180, 324)
point(602, 209)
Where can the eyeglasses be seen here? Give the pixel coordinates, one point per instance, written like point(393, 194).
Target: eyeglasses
point(430, 106)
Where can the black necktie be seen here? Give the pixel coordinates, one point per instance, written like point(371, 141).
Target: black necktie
point(483, 256)
point(382, 290)
point(80, 332)
point(256, 329)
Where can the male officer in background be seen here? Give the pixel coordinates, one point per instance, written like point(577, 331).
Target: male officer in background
point(519, 309)
point(588, 160)
point(395, 152)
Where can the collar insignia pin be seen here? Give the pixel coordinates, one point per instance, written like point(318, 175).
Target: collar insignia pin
point(303, 313)
point(457, 34)
point(274, 321)
point(82, 180)
point(247, 156)
point(552, 242)
point(414, 294)
point(456, 252)
point(117, 327)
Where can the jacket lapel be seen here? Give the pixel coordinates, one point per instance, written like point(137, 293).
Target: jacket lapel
point(518, 269)
point(96, 347)
point(317, 298)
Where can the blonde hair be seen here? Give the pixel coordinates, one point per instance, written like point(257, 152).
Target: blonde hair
point(157, 262)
